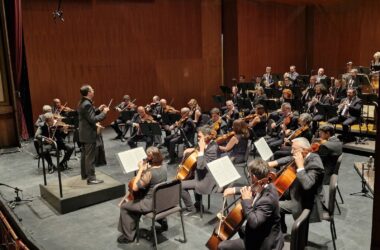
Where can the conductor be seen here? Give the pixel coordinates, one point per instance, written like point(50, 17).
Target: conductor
point(88, 119)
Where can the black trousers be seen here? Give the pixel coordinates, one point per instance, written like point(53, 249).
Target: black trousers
point(68, 149)
point(115, 126)
point(170, 142)
point(132, 142)
point(346, 122)
point(88, 157)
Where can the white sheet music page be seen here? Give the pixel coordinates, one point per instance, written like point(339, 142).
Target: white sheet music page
point(223, 171)
point(129, 159)
point(263, 149)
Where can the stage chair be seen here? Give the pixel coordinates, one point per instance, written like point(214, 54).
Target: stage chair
point(337, 167)
point(166, 201)
point(300, 232)
point(329, 214)
point(244, 164)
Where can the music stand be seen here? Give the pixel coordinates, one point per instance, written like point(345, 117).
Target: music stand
point(302, 80)
point(270, 105)
point(220, 100)
point(225, 90)
point(127, 115)
point(150, 129)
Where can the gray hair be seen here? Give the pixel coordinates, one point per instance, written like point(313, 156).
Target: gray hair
point(306, 117)
point(304, 143)
point(185, 110)
point(286, 105)
point(48, 116)
point(46, 108)
point(205, 130)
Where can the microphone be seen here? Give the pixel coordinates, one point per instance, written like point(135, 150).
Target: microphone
point(58, 13)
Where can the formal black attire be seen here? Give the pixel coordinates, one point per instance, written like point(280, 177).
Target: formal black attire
point(121, 119)
point(137, 134)
point(323, 102)
point(234, 116)
point(329, 153)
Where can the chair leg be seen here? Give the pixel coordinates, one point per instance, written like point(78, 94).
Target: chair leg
point(183, 228)
point(137, 231)
point(154, 233)
point(337, 206)
point(208, 202)
point(201, 207)
point(333, 224)
point(340, 195)
point(332, 234)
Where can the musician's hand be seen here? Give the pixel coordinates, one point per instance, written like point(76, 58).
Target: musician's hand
point(49, 141)
point(286, 140)
point(287, 132)
point(171, 127)
point(118, 109)
point(273, 125)
point(298, 159)
point(229, 191)
point(136, 125)
point(101, 107)
point(246, 193)
point(202, 143)
point(106, 109)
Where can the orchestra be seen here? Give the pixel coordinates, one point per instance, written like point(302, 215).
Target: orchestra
point(301, 135)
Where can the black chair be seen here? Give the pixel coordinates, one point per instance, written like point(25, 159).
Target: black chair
point(329, 214)
point(300, 232)
point(244, 164)
point(337, 166)
point(166, 201)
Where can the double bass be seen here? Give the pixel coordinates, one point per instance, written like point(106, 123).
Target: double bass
point(231, 223)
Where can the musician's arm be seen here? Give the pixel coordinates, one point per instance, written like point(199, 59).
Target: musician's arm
point(230, 145)
point(90, 114)
point(144, 181)
point(308, 178)
point(280, 162)
point(261, 213)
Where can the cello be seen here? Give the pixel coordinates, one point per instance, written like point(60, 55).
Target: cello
point(187, 167)
point(285, 178)
point(231, 223)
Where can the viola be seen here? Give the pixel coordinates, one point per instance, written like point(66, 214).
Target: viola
point(224, 138)
point(314, 147)
point(187, 167)
point(250, 117)
point(297, 132)
point(230, 224)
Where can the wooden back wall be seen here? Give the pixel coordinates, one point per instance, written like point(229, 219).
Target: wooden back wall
point(141, 48)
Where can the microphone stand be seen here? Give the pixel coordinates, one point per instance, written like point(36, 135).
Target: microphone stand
point(364, 192)
point(12, 204)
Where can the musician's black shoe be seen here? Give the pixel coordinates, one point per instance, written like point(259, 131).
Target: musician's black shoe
point(118, 137)
point(51, 169)
point(63, 165)
point(123, 240)
point(164, 224)
point(197, 206)
point(94, 181)
point(189, 211)
point(84, 177)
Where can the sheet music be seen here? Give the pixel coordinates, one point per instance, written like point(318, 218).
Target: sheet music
point(263, 149)
point(223, 171)
point(129, 159)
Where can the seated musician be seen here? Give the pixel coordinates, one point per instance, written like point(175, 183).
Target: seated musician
point(40, 122)
point(216, 122)
point(235, 96)
point(320, 100)
point(203, 182)
point(164, 113)
point(309, 92)
point(231, 114)
point(284, 121)
point(125, 106)
point(330, 148)
point(195, 111)
point(306, 189)
point(288, 84)
point(60, 109)
point(259, 96)
point(268, 78)
point(47, 134)
point(140, 117)
point(346, 76)
point(349, 112)
point(150, 173)
point(338, 92)
point(262, 230)
point(287, 96)
point(237, 145)
point(354, 81)
point(303, 130)
point(320, 75)
point(187, 126)
point(154, 108)
point(258, 125)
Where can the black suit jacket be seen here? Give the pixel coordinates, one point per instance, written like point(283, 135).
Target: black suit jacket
point(88, 120)
point(205, 181)
point(263, 229)
point(329, 153)
point(355, 107)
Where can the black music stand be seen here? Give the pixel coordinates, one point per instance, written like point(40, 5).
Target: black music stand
point(127, 115)
point(225, 90)
point(150, 129)
point(220, 100)
point(328, 111)
point(270, 105)
point(302, 80)
point(171, 118)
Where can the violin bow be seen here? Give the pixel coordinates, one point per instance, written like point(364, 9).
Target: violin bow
point(109, 104)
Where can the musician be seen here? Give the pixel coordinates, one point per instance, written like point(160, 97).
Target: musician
point(262, 230)
point(258, 125)
point(375, 63)
point(195, 111)
point(268, 77)
point(293, 73)
point(349, 112)
point(231, 114)
point(150, 174)
point(49, 132)
point(187, 126)
point(287, 96)
point(288, 84)
point(216, 122)
point(304, 121)
point(338, 92)
point(347, 76)
point(259, 96)
point(164, 113)
point(309, 92)
point(39, 123)
point(235, 96)
point(320, 75)
point(241, 78)
point(88, 118)
point(330, 148)
point(320, 100)
point(125, 106)
point(203, 182)
point(60, 109)
point(354, 81)
point(306, 189)
point(237, 145)
point(140, 117)
point(154, 108)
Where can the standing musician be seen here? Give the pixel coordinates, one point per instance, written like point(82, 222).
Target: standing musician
point(150, 173)
point(231, 114)
point(329, 149)
point(237, 145)
point(338, 92)
point(306, 189)
point(309, 92)
point(60, 109)
point(216, 122)
point(140, 117)
point(268, 78)
point(321, 99)
point(262, 213)
point(51, 131)
point(195, 111)
point(203, 182)
point(187, 126)
point(349, 112)
point(88, 119)
point(258, 124)
point(303, 130)
point(124, 106)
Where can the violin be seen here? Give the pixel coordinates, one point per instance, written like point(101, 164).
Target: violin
point(250, 117)
point(216, 125)
point(224, 138)
point(171, 110)
point(297, 132)
point(130, 105)
point(314, 147)
point(230, 224)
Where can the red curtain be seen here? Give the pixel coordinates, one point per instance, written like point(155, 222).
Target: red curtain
point(15, 41)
